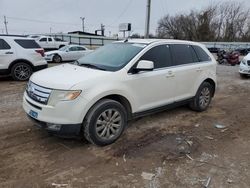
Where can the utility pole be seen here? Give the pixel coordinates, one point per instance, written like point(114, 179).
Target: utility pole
point(147, 19)
point(82, 18)
point(102, 29)
point(5, 23)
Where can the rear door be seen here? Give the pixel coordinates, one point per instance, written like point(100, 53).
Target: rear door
point(7, 54)
point(186, 69)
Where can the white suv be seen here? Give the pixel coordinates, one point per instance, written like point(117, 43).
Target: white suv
point(98, 94)
point(20, 57)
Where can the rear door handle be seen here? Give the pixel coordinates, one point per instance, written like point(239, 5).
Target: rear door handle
point(170, 74)
point(9, 53)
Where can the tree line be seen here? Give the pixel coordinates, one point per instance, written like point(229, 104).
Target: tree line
point(228, 22)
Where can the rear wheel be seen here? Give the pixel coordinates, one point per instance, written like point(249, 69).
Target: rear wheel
point(57, 58)
point(202, 98)
point(105, 122)
point(21, 71)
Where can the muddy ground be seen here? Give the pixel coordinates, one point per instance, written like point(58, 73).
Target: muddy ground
point(177, 148)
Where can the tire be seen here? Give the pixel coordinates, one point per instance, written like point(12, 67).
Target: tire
point(105, 122)
point(21, 71)
point(202, 98)
point(61, 46)
point(243, 75)
point(57, 58)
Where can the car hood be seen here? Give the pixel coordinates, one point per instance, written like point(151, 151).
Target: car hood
point(53, 52)
point(65, 76)
point(247, 57)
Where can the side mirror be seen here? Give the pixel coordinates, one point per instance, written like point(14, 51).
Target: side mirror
point(144, 65)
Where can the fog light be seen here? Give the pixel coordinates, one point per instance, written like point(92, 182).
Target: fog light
point(54, 127)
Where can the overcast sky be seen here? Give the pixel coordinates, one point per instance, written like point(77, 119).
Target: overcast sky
point(38, 16)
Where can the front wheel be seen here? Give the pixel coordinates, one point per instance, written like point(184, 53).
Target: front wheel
point(202, 98)
point(21, 71)
point(57, 58)
point(105, 122)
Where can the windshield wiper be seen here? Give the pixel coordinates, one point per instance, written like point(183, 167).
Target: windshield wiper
point(88, 65)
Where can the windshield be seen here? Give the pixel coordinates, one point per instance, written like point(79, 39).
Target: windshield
point(112, 57)
point(63, 48)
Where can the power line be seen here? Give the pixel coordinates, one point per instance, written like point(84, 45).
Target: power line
point(41, 21)
point(123, 12)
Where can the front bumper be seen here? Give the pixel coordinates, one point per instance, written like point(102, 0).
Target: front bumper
point(244, 69)
point(49, 58)
point(65, 131)
point(63, 119)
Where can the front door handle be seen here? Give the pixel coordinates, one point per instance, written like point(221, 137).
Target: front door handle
point(199, 69)
point(9, 53)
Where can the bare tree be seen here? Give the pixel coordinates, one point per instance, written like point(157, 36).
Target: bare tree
point(224, 21)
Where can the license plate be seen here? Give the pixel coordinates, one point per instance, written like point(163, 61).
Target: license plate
point(33, 114)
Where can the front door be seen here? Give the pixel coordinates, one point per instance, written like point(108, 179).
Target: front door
point(155, 88)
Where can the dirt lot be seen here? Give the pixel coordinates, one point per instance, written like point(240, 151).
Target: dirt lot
point(179, 148)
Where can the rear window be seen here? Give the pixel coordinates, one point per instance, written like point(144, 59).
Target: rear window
point(27, 44)
point(183, 54)
point(4, 45)
point(57, 39)
point(202, 55)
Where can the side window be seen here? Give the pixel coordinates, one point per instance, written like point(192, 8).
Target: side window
point(202, 55)
point(4, 45)
point(43, 40)
point(80, 49)
point(183, 54)
point(73, 49)
point(50, 39)
point(160, 55)
point(27, 44)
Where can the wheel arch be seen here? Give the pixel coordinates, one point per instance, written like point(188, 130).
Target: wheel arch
point(20, 61)
point(212, 83)
point(119, 98)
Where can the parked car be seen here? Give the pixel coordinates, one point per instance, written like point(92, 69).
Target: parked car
point(20, 57)
point(244, 69)
point(243, 51)
point(98, 94)
point(214, 50)
point(232, 57)
point(50, 43)
point(67, 53)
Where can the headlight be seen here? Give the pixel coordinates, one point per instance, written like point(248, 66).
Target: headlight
point(49, 55)
point(59, 95)
point(244, 62)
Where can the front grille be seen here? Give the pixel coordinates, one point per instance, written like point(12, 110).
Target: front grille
point(38, 93)
point(248, 62)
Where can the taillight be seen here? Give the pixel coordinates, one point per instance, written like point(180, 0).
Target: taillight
point(40, 51)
